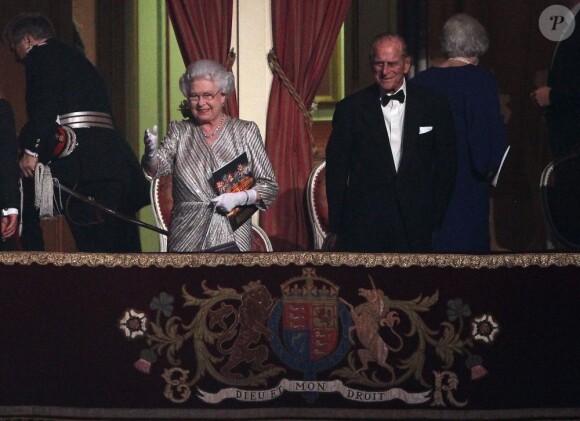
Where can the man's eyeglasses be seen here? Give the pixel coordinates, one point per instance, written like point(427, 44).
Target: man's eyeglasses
point(206, 96)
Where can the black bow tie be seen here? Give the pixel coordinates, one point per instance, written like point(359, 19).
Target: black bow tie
point(399, 96)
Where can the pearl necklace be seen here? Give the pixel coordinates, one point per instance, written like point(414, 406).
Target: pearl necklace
point(217, 129)
point(463, 60)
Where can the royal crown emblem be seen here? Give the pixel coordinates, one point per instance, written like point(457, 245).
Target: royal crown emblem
point(314, 324)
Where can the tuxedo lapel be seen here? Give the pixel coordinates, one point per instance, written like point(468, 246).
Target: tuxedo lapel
point(374, 121)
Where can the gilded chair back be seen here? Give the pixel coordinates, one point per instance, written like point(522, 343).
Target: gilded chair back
point(318, 204)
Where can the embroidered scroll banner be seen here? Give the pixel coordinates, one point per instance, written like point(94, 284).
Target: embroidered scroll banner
point(314, 335)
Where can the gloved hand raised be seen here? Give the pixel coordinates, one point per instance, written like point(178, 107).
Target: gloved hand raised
point(227, 201)
point(150, 140)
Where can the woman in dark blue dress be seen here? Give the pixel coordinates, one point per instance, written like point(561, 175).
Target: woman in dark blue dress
point(481, 139)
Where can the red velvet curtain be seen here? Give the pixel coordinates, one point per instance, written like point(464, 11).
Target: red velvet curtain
point(304, 33)
point(204, 31)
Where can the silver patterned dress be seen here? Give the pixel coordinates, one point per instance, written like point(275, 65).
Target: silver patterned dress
point(185, 153)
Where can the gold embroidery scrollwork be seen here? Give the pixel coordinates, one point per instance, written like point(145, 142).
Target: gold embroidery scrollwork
point(181, 260)
point(176, 390)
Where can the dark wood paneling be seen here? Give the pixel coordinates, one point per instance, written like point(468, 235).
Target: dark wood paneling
point(111, 30)
point(320, 133)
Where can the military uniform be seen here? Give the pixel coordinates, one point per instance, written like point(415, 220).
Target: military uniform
point(64, 88)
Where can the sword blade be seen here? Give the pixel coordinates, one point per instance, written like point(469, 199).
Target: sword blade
point(116, 214)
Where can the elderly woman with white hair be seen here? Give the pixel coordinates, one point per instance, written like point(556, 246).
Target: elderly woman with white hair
point(195, 148)
point(481, 138)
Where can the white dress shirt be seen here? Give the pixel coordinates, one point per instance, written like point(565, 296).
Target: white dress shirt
point(394, 114)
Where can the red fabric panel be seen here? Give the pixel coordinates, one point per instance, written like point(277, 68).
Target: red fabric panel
point(204, 30)
point(304, 35)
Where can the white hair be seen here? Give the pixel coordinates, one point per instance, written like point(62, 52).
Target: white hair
point(463, 36)
point(208, 70)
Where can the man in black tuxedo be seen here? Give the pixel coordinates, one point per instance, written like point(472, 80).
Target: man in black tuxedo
point(65, 92)
point(9, 191)
point(390, 160)
point(561, 95)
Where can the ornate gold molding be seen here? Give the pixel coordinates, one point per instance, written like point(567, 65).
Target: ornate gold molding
point(144, 260)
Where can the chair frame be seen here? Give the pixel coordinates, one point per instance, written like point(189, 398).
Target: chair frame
point(319, 234)
point(156, 207)
point(544, 181)
point(260, 233)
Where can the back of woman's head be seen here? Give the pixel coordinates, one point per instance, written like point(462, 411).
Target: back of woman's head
point(208, 70)
point(463, 36)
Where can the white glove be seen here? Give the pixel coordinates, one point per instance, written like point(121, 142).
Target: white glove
point(150, 141)
point(227, 201)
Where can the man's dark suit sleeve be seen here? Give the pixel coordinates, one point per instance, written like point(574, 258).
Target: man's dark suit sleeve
point(9, 191)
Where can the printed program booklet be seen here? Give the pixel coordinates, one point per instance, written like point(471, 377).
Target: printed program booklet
point(233, 177)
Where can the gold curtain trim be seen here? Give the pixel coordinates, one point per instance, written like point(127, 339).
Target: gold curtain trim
point(144, 260)
point(277, 69)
